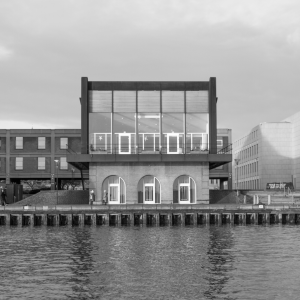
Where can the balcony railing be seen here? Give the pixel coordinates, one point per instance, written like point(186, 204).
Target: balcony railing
point(164, 149)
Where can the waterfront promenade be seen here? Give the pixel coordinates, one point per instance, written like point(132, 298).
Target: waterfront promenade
point(156, 215)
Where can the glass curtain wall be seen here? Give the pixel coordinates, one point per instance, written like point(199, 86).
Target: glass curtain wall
point(100, 133)
point(124, 127)
point(173, 133)
point(196, 133)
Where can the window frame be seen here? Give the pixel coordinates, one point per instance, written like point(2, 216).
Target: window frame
point(17, 168)
point(39, 168)
point(17, 146)
point(39, 147)
point(60, 163)
point(61, 146)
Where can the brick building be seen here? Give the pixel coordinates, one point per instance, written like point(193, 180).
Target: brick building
point(30, 154)
point(149, 142)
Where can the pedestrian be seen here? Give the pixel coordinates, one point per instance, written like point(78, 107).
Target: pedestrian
point(104, 199)
point(3, 198)
point(92, 197)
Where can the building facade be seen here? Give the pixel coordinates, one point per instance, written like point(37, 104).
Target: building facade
point(149, 142)
point(270, 153)
point(30, 154)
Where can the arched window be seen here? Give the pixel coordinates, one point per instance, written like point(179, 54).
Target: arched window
point(184, 190)
point(149, 190)
point(114, 189)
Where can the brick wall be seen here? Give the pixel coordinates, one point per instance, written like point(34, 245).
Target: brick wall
point(166, 173)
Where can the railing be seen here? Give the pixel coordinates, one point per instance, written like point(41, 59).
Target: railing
point(164, 149)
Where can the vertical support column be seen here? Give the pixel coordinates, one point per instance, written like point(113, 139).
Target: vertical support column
point(84, 115)
point(280, 218)
point(7, 157)
point(212, 115)
point(219, 221)
point(269, 199)
point(207, 218)
point(94, 219)
point(255, 216)
point(243, 219)
point(70, 219)
point(144, 219)
point(44, 219)
point(267, 218)
point(183, 216)
point(20, 220)
point(195, 219)
point(32, 220)
point(232, 218)
point(131, 219)
point(7, 220)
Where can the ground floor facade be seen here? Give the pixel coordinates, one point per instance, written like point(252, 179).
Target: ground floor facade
point(150, 183)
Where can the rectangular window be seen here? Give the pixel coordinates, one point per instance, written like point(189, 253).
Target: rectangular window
point(19, 163)
point(19, 142)
point(63, 143)
point(219, 143)
point(63, 163)
point(41, 163)
point(41, 142)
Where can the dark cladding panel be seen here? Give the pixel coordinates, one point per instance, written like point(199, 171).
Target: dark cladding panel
point(100, 101)
point(149, 101)
point(124, 101)
point(197, 102)
point(173, 101)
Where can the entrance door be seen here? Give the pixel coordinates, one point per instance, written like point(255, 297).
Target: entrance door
point(172, 143)
point(124, 143)
point(184, 193)
point(114, 193)
point(149, 193)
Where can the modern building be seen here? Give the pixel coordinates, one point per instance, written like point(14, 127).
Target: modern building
point(30, 154)
point(270, 153)
point(221, 177)
point(149, 142)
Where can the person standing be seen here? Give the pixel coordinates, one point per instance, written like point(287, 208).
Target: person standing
point(3, 198)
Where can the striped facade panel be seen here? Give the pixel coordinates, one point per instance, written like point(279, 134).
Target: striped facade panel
point(197, 102)
point(100, 101)
point(124, 101)
point(149, 101)
point(173, 101)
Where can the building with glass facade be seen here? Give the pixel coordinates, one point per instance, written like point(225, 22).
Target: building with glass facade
point(149, 142)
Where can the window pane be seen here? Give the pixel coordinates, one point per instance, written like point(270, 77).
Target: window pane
point(63, 143)
point(148, 193)
point(184, 193)
point(41, 143)
point(19, 163)
point(41, 163)
point(113, 193)
point(172, 123)
point(63, 163)
point(19, 142)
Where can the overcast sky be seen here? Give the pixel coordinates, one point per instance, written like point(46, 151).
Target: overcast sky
point(252, 47)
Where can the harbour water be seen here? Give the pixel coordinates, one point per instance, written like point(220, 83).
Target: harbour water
point(189, 262)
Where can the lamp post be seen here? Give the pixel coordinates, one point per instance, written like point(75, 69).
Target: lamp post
point(56, 165)
point(237, 160)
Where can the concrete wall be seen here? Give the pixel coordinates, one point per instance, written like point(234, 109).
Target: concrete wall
point(166, 173)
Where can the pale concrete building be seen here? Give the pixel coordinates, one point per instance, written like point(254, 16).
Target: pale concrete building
point(269, 153)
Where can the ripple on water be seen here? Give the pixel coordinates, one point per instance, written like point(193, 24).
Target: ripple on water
point(228, 262)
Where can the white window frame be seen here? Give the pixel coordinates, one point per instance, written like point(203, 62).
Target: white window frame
point(189, 192)
point(19, 163)
point(153, 192)
point(113, 185)
point(42, 164)
point(19, 141)
point(120, 145)
point(168, 143)
point(63, 145)
point(40, 139)
point(221, 144)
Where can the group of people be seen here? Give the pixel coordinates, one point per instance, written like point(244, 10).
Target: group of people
point(92, 197)
point(3, 197)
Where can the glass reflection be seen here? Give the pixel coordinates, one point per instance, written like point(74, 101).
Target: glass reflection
point(196, 133)
point(124, 133)
point(100, 133)
point(173, 133)
point(149, 133)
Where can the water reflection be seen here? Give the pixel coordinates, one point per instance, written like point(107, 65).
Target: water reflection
point(205, 262)
point(221, 242)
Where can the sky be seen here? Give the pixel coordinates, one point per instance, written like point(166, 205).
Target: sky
point(46, 46)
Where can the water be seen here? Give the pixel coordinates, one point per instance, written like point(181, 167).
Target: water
point(207, 262)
